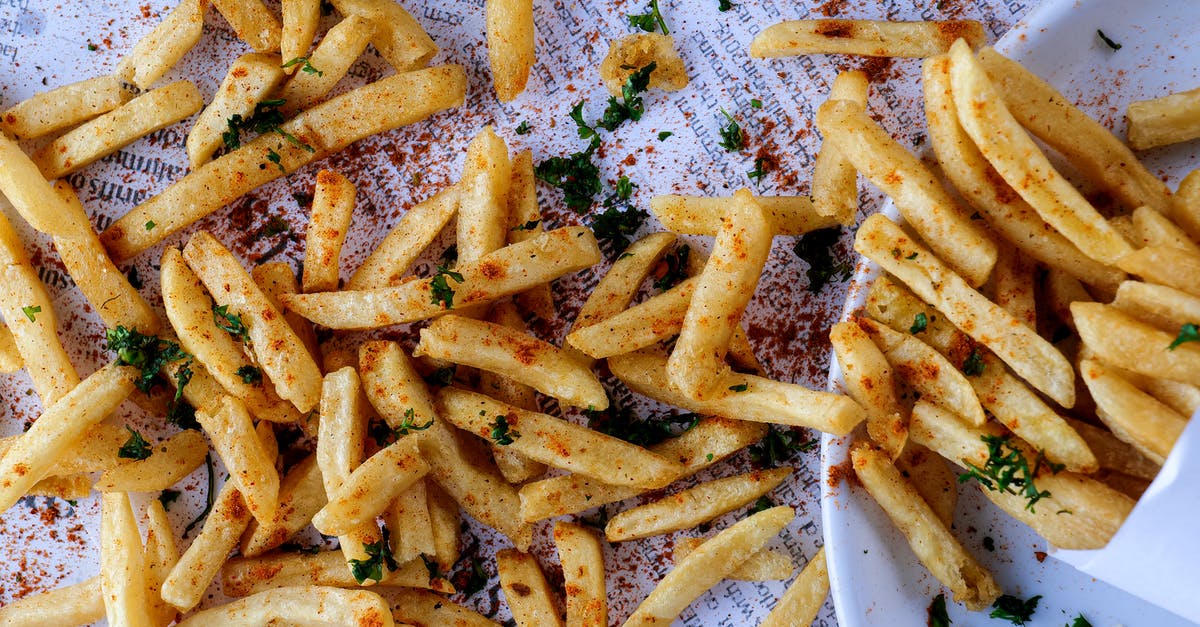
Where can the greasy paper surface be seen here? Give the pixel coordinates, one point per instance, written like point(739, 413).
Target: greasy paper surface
point(44, 44)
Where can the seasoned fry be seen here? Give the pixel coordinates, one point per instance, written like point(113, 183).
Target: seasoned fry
point(248, 462)
point(303, 606)
point(764, 565)
point(1012, 286)
point(253, 22)
point(483, 208)
point(327, 64)
point(161, 555)
point(340, 449)
point(444, 521)
point(933, 479)
point(10, 357)
point(1119, 339)
point(400, 39)
point(250, 80)
point(638, 50)
point(582, 561)
point(1165, 265)
point(34, 198)
point(275, 278)
point(202, 560)
point(516, 468)
point(1164, 307)
point(505, 272)
point(619, 285)
point(78, 604)
point(1165, 120)
point(301, 18)
point(529, 596)
point(246, 576)
point(694, 215)
point(525, 222)
point(421, 607)
point(510, 43)
point(63, 107)
point(804, 598)
point(122, 564)
point(864, 37)
point(1156, 229)
point(368, 490)
point(411, 527)
point(870, 381)
point(333, 204)
point(1134, 416)
point(1185, 210)
point(301, 496)
point(834, 179)
point(693, 506)
point(160, 49)
point(401, 246)
point(643, 325)
point(173, 459)
point(1114, 454)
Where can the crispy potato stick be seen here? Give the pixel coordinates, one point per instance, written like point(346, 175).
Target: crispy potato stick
point(411, 526)
point(1164, 307)
point(33, 197)
point(118, 128)
point(926, 370)
point(864, 37)
point(1096, 510)
point(1185, 209)
point(340, 448)
point(931, 540)
point(557, 442)
point(571, 494)
point(750, 397)
point(1119, 339)
point(618, 287)
point(1010, 400)
point(870, 381)
point(697, 363)
point(1012, 286)
point(122, 564)
point(10, 357)
point(102, 283)
point(246, 576)
point(302, 606)
point(507, 271)
point(835, 181)
point(694, 506)
point(1002, 208)
point(301, 495)
point(1134, 416)
point(1028, 354)
point(416, 230)
point(160, 49)
point(1184, 398)
point(803, 599)
point(1019, 161)
point(654, 320)
point(933, 479)
point(529, 596)
point(275, 278)
point(161, 555)
point(444, 522)
point(60, 426)
point(1114, 454)
point(172, 460)
point(248, 462)
point(190, 311)
point(78, 604)
point(764, 565)
point(369, 489)
point(694, 215)
point(332, 207)
point(279, 351)
point(301, 18)
point(921, 199)
point(484, 185)
point(516, 468)
point(513, 354)
point(380, 106)
point(582, 561)
point(327, 64)
point(75, 486)
point(1166, 120)
point(200, 563)
point(525, 222)
point(63, 107)
point(250, 80)
point(1156, 229)
point(96, 450)
point(421, 607)
point(709, 564)
point(510, 43)
point(1165, 265)
point(400, 39)
point(252, 21)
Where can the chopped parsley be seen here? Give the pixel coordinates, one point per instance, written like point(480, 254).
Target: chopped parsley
point(732, 138)
point(441, 290)
point(1187, 333)
point(937, 612)
point(648, 21)
point(816, 248)
point(755, 103)
point(230, 323)
point(741, 387)
point(664, 134)
point(136, 447)
point(92, 47)
point(763, 503)
point(167, 497)
point(307, 66)
point(249, 374)
point(624, 424)
point(724, 5)
point(1014, 610)
point(576, 175)
point(275, 158)
point(1007, 470)
point(501, 433)
point(135, 280)
point(384, 434)
point(599, 521)
point(523, 128)
point(674, 268)
point(150, 354)
point(761, 167)
point(379, 555)
point(528, 226)
point(442, 376)
point(1079, 621)
point(616, 225)
point(31, 312)
point(450, 255)
point(624, 188)
point(920, 322)
point(1111, 44)
point(476, 581)
point(266, 118)
point(779, 445)
point(974, 365)
point(630, 107)
point(911, 256)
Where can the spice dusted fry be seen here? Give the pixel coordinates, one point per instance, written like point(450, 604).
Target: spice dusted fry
point(421, 607)
point(244, 576)
point(652, 321)
point(921, 199)
point(327, 64)
point(693, 215)
point(400, 39)
point(864, 37)
point(78, 604)
point(160, 49)
point(328, 224)
point(502, 273)
point(525, 589)
point(171, 461)
point(33, 197)
point(510, 43)
point(764, 565)
point(1185, 210)
point(1134, 416)
point(871, 382)
point(1156, 229)
point(161, 555)
point(298, 605)
point(444, 523)
point(276, 278)
point(1114, 454)
point(63, 107)
point(582, 561)
point(835, 181)
point(525, 222)
point(483, 200)
point(411, 526)
point(1012, 286)
point(122, 564)
point(250, 467)
point(401, 246)
point(368, 490)
point(1118, 338)
point(515, 467)
point(804, 598)
point(253, 22)
point(1165, 120)
point(300, 18)
point(250, 80)
point(932, 478)
point(301, 496)
point(1165, 265)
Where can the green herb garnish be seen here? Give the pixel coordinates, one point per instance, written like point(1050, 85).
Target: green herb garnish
point(741, 387)
point(763, 503)
point(31, 312)
point(167, 497)
point(266, 118)
point(307, 66)
point(616, 225)
point(1079, 621)
point(230, 323)
point(937, 612)
point(249, 374)
point(1111, 44)
point(1007, 470)
point(1187, 333)
point(630, 107)
point(528, 226)
point(576, 175)
point(779, 445)
point(920, 322)
point(759, 171)
point(523, 128)
point(136, 447)
point(1014, 610)
point(624, 424)
point(664, 134)
point(441, 290)
point(676, 263)
point(649, 20)
point(816, 248)
point(501, 433)
point(973, 365)
point(732, 138)
point(150, 224)
point(275, 158)
point(379, 555)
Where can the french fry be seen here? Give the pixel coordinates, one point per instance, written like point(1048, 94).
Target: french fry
point(864, 37)
point(1164, 307)
point(380, 106)
point(301, 496)
point(693, 506)
point(932, 541)
point(95, 451)
point(932, 478)
point(300, 18)
point(804, 598)
point(160, 49)
point(77, 604)
point(871, 383)
point(1114, 454)
point(1012, 286)
point(72, 487)
point(409, 521)
point(340, 448)
point(122, 564)
point(401, 246)
point(279, 351)
point(303, 606)
point(328, 224)
point(250, 80)
point(1028, 354)
point(161, 555)
point(525, 222)
point(63, 107)
point(245, 576)
point(275, 278)
point(1019, 161)
point(252, 21)
point(655, 320)
point(557, 442)
point(502, 273)
point(1134, 416)
point(638, 50)
point(444, 522)
point(1117, 338)
point(618, 287)
point(571, 494)
point(1164, 265)
point(1156, 229)
point(368, 490)
point(482, 209)
point(510, 43)
point(173, 459)
point(529, 596)
point(516, 468)
point(709, 564)
point(1165, 120)
point(184, 587)
point(60, 426)
point(1185, 210)
point(327, 64)
point(697, 363)
point(513, 354)
point(250, 467)
point(693, 215)
point(118, 128)
point(400, 39)
point(834, 179)
point(750, 397)
point(921, 199)
point(33, 197)
point(764, 565)
point(421, 607)
point(10, 357)
point(582, 561)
